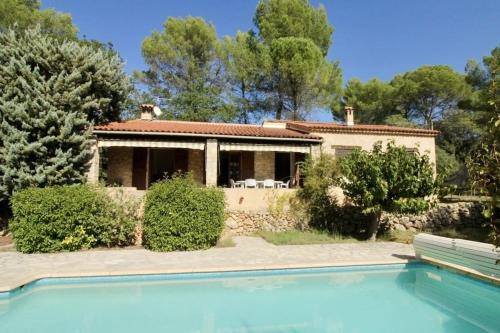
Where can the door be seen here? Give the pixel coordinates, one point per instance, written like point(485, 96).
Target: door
point(139, 168)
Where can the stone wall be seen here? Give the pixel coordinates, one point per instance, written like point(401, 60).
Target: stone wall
point(459, 214)
point(244, 223)
point(351, 221)
point(120, 160)
point(196, 161)
point(264, 165)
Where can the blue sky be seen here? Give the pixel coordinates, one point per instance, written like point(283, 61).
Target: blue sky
point(372, 38)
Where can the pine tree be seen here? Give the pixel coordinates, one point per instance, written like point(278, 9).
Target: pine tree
point(51, 91)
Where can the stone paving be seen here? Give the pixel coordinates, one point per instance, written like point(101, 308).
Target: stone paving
point(17, 269)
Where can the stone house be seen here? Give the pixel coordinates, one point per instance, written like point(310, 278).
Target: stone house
point(141, 151)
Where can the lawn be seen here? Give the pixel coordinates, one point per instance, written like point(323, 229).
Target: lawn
point(473, 234)
point(297, 237)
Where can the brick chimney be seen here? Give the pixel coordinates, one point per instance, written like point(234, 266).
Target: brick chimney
point(147, 111)
point(349, 116)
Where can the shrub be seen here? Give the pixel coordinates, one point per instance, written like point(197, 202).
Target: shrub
point(180, 215)
point(410, 205)
point(68, 218)
point(376, 180)
point(321, 207)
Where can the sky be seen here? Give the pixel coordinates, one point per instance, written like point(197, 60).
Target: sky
point(372, 38)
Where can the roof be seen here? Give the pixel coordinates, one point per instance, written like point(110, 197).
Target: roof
point(169, 127)
point(308, 127)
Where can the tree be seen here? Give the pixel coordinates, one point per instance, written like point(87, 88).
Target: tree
point(387, 180)
point(185, 70)
point(51, 91)
point(429, 91)
point(484, 164)
point(22, 14)
point(299, 37)
point(247, 62)
point(373, 101)
point(293, 18)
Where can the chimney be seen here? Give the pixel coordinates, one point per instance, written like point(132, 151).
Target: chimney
point(147, 111)
point(349, 116)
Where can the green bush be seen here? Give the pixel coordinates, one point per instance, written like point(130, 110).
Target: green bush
point(180, 215)
point(411, 205)
point(68, 218)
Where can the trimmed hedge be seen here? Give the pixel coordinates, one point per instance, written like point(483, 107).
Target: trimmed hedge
point(180, 215)
point(68, 218)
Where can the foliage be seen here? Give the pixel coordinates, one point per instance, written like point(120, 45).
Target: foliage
point(427, 92)
point(375, 180)
point(276, 19)
point(247, 62)
point(68, 218)
point(320, 175)
point(373, 101)
point(185, 71)
point(23, 14)
point(180, 215)
point(298, 37)
point(447, 166)
point(51, 91)
point(410, 205)
point(484, 164)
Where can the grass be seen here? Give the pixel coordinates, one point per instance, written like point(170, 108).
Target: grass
point(297, 237)
point(473, 234)
point(477, 234)
point(225, 242)
point(398, 236)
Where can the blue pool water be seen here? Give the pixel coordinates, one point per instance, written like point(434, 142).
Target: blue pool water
point(387, 298)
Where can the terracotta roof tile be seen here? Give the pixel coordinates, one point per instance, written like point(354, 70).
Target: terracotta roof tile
point(199, 128)
point(307, 127)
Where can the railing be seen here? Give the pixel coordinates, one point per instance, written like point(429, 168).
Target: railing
point(481, 257)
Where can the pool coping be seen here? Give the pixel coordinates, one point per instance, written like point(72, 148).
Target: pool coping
point(21, 282)
point(460, 269)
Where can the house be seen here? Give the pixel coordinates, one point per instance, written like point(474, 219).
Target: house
point(141, 151)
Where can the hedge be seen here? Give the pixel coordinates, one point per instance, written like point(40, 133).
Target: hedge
point(180, 215)
point(68, 218)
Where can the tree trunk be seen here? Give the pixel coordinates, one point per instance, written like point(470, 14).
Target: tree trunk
point(280, 105)
point(373, 226)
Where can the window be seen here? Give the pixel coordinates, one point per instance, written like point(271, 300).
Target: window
point(412, 150)
point(342, 151)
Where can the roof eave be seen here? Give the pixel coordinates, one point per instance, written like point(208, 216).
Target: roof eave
point(215, 136)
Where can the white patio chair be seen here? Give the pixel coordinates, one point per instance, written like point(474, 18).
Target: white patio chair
point(285, 185)
point(268, 183)
point(250, 183)
point(234, 184)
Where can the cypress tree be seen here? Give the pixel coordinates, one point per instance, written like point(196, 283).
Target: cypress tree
point(51, 92)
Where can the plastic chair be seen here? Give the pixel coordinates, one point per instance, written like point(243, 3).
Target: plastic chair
point(285, 185)
point(268, 183)
point(250, 183)
point(234, 184)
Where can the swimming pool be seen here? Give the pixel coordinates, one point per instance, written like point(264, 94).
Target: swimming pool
point(414, 297)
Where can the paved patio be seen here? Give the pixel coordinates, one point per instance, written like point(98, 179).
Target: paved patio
point(249, 253)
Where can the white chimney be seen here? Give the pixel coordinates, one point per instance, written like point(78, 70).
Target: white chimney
point(147, 111)
point(349, 115)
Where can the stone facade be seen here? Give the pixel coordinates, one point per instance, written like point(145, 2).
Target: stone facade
point(120, 161)
point(462, 214)
point(264, 165)
point(245, 223)
point(424, 144)
point(196, 161)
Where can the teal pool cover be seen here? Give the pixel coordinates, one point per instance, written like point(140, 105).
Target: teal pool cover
point(415, 297)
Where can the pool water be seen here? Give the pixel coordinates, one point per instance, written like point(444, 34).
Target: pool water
point(384, 298)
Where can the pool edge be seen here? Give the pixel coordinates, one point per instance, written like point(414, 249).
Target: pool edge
point(129, 272)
